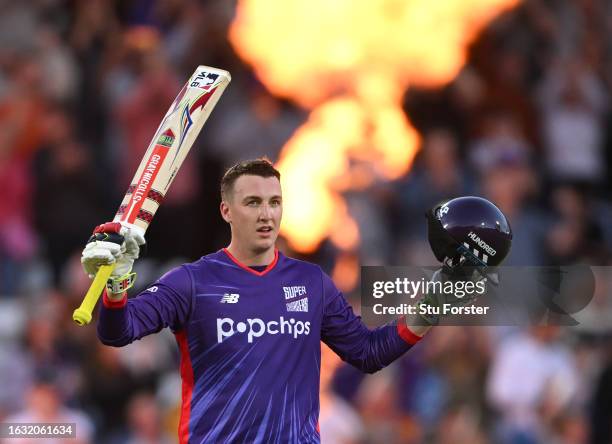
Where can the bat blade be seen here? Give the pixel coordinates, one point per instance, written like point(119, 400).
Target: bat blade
point(170, 145)
point(165, 154)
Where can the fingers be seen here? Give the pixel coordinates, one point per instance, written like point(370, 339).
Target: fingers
point(132, 248)
point(91, 266)
point(122, 229)
point(112, 242)
point(103, 249)
point(107, 237)
point(133, 233)
point(140, 239)
point(98, 253)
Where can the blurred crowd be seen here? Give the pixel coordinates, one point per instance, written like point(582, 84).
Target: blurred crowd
point(526, 123)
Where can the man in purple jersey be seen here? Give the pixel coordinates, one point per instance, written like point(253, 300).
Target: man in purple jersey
point(248, 321)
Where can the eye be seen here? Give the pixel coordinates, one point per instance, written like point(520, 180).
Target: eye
point(275, 202)
point(252, 203)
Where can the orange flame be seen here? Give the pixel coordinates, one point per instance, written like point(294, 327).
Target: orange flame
point(350, 62)
point(346, 272)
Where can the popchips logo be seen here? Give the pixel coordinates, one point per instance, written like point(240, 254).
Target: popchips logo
point(255, 328)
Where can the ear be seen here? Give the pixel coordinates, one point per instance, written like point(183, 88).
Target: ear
point(225, 212)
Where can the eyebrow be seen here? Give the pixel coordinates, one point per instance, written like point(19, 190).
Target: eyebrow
point(260, 198)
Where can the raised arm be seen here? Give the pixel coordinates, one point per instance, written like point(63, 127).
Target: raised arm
point(167, 303)
point(367, 349)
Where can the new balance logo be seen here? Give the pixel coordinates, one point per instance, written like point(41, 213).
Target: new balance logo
point(230, 298)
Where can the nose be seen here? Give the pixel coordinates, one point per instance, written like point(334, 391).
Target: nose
point(264, 212)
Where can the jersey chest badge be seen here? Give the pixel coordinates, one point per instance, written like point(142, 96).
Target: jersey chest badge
point(295, 298)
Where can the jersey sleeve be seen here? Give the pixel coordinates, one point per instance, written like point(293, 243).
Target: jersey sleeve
point(166, 303)
point(344, 332)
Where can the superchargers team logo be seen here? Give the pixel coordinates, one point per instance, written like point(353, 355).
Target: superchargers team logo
point(294, 292)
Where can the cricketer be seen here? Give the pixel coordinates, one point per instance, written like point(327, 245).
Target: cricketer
point(248, 321)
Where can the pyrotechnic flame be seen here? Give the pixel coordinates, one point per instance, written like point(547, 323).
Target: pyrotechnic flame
point(350, 62)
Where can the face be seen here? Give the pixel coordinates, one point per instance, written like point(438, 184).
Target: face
point(254, 210)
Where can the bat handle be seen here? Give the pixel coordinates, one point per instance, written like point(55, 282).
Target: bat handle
point(82, 315)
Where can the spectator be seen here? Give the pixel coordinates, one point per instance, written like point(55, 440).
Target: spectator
point(109, 388)
point(573, 102)
point(66, 181)
point(533, 380)
point(511, 182)
point(21, 111)
point(44, 405)
point(144, 419)
point(601, 412)
point(437, 175)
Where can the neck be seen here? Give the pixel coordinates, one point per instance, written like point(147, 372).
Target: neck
point(251, 258)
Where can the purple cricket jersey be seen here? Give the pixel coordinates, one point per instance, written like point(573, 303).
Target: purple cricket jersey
point(250, 344)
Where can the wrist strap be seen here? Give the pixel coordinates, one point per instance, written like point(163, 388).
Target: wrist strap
point(113, 303)
point(120, 284)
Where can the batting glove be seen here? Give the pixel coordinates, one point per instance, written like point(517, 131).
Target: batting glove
point(113, 242)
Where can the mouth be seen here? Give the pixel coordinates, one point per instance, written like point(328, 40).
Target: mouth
point(265, 229)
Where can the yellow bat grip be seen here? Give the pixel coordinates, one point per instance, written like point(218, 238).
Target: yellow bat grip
point(82, 315)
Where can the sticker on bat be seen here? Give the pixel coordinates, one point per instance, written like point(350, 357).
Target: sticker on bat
point(204, 80)
point(166, 139)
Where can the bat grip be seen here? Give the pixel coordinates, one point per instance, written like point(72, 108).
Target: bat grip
point(82, 315)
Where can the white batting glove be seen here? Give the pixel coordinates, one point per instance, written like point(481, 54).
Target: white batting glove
point(113, 242)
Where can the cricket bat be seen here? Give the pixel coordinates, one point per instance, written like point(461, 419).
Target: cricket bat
point(172, 141)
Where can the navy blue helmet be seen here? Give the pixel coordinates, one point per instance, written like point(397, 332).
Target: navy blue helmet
point(468, 231)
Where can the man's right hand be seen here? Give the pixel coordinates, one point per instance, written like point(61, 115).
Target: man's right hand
point(103, 248)
point(111, 243)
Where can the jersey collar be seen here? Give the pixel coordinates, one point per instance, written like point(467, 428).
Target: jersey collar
point(269, 268)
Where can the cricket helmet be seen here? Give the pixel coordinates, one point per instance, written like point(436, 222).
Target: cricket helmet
point(468, 231)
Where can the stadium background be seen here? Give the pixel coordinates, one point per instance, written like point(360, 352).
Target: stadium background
point(520, 116)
